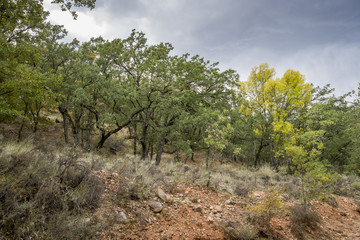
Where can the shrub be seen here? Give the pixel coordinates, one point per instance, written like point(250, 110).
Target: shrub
point(357, 203)
point(44, 197)
point(237, 231)
point(355, 186)
point(242, 190)
point(331, 200)
point(72, 171)
point(270, 206)
point(302, 218)
point(292, 190)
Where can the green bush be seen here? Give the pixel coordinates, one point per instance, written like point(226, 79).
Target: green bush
point(355, 186)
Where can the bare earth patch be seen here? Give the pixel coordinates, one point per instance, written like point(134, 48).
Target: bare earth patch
point(195, 212)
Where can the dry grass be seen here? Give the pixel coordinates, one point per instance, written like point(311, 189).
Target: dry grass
point(239, 231)
point(301, 219)
point(43, 196)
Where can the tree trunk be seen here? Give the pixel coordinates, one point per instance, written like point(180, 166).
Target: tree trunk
point(135, 138)
point(144, 148)
point(77, 126)
point(104, 137)
point(151, 151)
point(66, 128)
point(160, 150)
point(22, 123)
point(207, 159)
point(257, 156)
point(76, 137)
point(65, 125)
point(20, 129)
point(88, 133)
point(145, 153)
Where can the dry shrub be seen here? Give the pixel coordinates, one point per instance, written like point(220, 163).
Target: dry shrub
point(87, 195)
point(292, 190)
point(195, 175)
point(357, 203)
point(43, 197)
point(347, 185)
point(72, 171)
point(50, 197)
point(67, 226)
point(92, 191)
point(238, 231)
point(331, 200)
point(137, 189)
point(301, 219)
point(243, 189)
point(186, 168)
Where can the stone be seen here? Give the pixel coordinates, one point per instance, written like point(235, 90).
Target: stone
point(87, 220)
point(257, 195)
point(155, 206)
point(120, 217)
point(344, 214)
point(216, 209)
point(198, 208)
point(218, 215)
point(162, 195)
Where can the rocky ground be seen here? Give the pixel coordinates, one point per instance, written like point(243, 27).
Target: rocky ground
point(196, 212)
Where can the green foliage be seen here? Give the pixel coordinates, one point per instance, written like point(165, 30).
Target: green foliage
point(270, 206)
point(169, 103)
point(218, 136)
point(355, 186)
point(313, 174)
point(269, 106)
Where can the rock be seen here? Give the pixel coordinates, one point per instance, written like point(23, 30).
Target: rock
point(155, 206)
point(120, 217)
point(257, 195)
point(218, 215)
point(210, 219)
point(217, 209)
point(162, 195)
point(87, 220)
point(344, 214)
point(198, 208)
point(228, 201)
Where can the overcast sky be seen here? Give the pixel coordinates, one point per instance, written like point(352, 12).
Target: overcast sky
point(320, 38)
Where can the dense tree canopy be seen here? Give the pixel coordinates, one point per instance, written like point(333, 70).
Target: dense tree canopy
point(167, 103)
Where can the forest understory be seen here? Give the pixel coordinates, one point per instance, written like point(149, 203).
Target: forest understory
point(53, 191)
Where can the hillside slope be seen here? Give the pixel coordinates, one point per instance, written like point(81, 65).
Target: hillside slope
point(195, 212)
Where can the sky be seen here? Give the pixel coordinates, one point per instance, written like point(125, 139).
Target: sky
point(319, 38)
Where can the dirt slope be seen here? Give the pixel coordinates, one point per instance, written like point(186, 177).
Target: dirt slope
point(195, 212)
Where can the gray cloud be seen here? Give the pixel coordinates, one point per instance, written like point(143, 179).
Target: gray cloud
point(319, 38)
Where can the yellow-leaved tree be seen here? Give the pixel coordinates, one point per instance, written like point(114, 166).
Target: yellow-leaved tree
point(270, 105)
